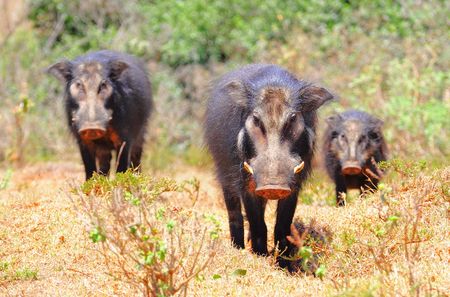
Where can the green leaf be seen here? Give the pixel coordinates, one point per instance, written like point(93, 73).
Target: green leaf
point(133, 230)
point(149, 258)
point(170, 225)
point(162, 251)
point(216, 276)
point(96, 235)
point(200, 277)
point(393, 219)
point(380, 232)
point(320, 272)
point(4, 182)
point(214, 234)
point(160, 213)
point(240, 272)
point(305, 252)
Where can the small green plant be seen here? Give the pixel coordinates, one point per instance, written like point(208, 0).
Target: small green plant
point(4, 182)
point(26, 274)
point(157, 249)
point(9, 272)
point(96, 235)
point(321, 271)
point(4, 266)
point(348, 238)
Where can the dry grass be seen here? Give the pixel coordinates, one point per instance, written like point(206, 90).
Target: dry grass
point(395, 246)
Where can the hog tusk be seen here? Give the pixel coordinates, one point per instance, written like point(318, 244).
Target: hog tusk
point(299, 167)
point(248, 168)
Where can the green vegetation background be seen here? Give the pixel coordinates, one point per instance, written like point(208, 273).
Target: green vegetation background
point(390, 58)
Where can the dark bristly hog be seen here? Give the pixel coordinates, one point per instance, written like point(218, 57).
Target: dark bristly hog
point(260, 129)
point(353, 146)
point(108, 100)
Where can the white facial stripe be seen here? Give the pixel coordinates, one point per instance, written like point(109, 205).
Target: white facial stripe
point(91, 111)
point(240, 143)
point(352, 146)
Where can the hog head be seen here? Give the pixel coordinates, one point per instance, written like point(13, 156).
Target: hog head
point(354, 142)
point(272, 131)
point(89, 92)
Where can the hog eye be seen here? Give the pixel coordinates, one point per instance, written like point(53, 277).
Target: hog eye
point(374, 135)
point(78, 85)
point(256, 120)
point(102, 86)
point(292, 118)
point(362, 139)
point(258, 123)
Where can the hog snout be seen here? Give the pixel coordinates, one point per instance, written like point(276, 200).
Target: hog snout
point(273, 192)
point(91, 132)
point(271, 188)
point(351, 168)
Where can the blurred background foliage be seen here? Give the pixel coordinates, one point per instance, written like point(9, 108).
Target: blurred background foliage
point(390, 58)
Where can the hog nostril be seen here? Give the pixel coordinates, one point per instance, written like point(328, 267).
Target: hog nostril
point(273, 192)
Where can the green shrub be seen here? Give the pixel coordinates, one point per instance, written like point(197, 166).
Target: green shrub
point(152, 246)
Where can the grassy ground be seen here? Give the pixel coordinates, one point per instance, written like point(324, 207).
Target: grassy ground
point(397, 247)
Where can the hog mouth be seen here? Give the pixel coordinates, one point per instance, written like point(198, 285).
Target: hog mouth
point(273, 192)
point(92, 133)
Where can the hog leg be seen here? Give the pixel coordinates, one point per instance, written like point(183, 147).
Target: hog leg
point(285, 214)
point(88, 160)
point(235, 219)
point(124, 156)
point(136, 156)
point(254, 209)
point(341, 188)
point(104, 161)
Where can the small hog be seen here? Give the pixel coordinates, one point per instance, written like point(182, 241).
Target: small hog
point(353, 146)
point(260, 129)
point(108, 101)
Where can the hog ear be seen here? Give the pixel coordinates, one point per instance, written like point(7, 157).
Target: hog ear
point(333, 120)
point(312, 97)
point(61, 70)
point(237, 91)
point(117, 68)
point(378, 123)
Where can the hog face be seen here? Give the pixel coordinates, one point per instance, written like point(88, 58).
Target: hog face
point(90, 87)
point(273, 129)
point(354, 141)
